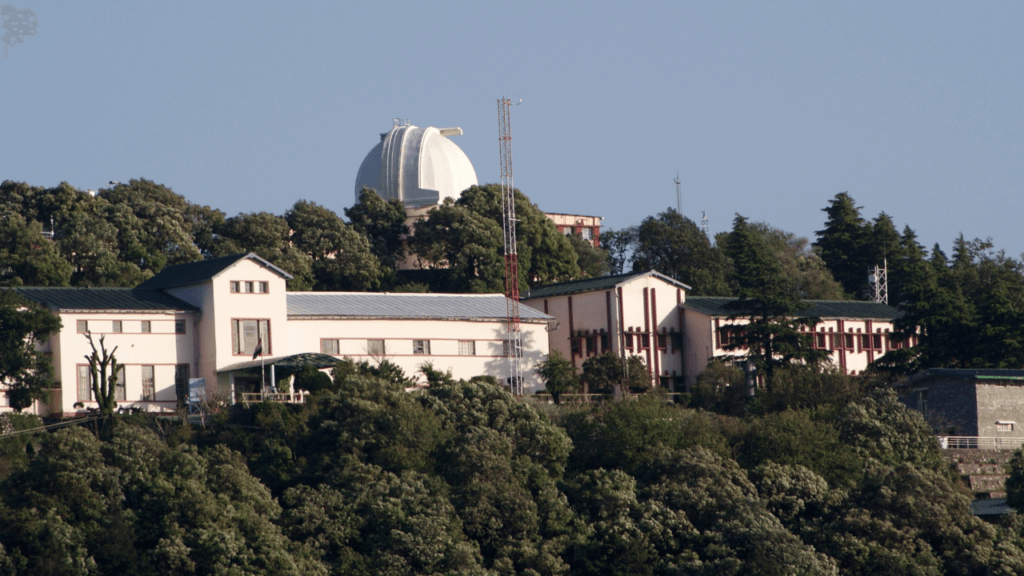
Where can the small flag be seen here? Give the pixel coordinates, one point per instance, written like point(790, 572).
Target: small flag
point(259, 348)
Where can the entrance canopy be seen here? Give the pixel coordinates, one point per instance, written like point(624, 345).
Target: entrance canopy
point(285, 365)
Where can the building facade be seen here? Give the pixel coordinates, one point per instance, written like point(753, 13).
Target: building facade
point(626, 314)
point(206, 320)
point(853, 333)
point(985, 403)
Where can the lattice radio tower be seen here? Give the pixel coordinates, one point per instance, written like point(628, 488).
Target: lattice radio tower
point(514, 342)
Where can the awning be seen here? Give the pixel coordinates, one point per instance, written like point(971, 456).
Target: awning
point(286, 364)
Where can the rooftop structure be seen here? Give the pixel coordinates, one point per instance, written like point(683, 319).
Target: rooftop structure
point(419, 166)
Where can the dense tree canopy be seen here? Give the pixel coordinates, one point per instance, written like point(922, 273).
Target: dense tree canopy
point(27, 372)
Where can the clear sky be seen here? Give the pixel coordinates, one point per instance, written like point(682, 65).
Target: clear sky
point(765, 108)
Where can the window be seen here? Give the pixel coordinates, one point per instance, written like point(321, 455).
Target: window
point(421, 346)
point(662, 342)
point(821, 341)
point(645, 341)
point(876, 341)
point(922, 401)
point(865, 342)
point(1004, 426)
point(84, 383)
point(248, 287)
point(587, 234)
point(848, 341)
point(148, 383)
point(725, 336)
point(246, 334)
point(375, 347)
point(119, 388)
point(604, 342)
point(677, 341)
point(590, 345)
point(574, 346)
point(467, 348)
point(116, 327)
point(235, 287)
point(179, 326)
point(82, 326)
point(329, 346)
point(261, 287)
point(629, 340)
point(181, 384)
point(146, 327)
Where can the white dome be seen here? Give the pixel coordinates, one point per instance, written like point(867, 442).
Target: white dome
point(419, 166)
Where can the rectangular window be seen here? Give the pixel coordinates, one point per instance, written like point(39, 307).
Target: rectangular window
point(179, 326)
point(261, 287)
point(116, 327)
point(329, 347)
point(181, 384)
point(146, 327)
point(421, 346)
point(848, 341)
point(821, 341)
point(375, 347)
point(235, 287)
point(922, 401)
point(82, 326)
point(246, 334)
point(865, 342)
point(876, 341)
point(677, 341)
point(574, 346)
point(725, 336)
point(662, 342)
point(604, 342)
point(629, 341)
point(1004, 426)
point(84, 383)
point(645, 341)
point(119, 387)
point(587, 234)
point(148, 383)
point(467, 348)
point(590, 345)
point(248, 287)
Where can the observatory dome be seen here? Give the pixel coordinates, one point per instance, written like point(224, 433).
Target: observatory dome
point(419, 166)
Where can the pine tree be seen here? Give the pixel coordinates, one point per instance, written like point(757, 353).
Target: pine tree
point(846, 244)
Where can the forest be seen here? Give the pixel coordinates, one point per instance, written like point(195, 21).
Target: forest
point(819, 473)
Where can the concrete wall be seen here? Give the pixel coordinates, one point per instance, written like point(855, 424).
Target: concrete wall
point(952, 406)
point(443, 337)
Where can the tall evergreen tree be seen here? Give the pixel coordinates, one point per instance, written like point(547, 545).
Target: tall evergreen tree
point(845, 244)
point(771, 337)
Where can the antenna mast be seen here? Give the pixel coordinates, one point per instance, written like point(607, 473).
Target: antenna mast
point(704, 222)
point(514, 342)
point(877, 277)
point(679, 195)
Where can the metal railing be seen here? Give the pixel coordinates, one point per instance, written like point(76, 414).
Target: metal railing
point(980, 443)
point(287, 397)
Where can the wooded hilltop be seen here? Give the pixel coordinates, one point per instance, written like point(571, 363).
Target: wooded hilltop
point(820, 473)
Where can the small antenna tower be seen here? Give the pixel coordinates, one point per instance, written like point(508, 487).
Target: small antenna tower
point(679, 194)
point(878, 279)
point(514, 342)
point(704, 222)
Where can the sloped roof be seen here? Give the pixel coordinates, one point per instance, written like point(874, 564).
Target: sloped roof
point(203, 270)
point(990, 507)
point(404, 306)
point(292, 362)
point(985, 374)
point(71, 299)
point(594, 284)
point(715, 306)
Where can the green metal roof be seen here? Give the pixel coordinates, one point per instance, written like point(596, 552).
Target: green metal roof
point(203, 270)
point(594, 284)
point(68, 299)
point(988, 374)
point(716, 306)
point(293, 362)
point(990, 507)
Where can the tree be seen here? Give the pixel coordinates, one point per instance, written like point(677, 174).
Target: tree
point(104, 386)
point(592, 260)
point(341, 257)
point(674, 245)
point(465, 246)
point(270, 237)
point(28, 257)
point(26, 371)
point(558, 374)
point(845, 244)
point(383, 224)
point(620, 245)
point(602, 373)
point(768, 302)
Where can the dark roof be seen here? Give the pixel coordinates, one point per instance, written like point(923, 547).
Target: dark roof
point(288, 364)
point(68, 299)
point(715, 306)
point(594, 284)
point(990, 507)
point(990, 374)
point(203, 270)
point(407, 305)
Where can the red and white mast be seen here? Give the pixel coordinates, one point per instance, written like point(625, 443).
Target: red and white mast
point(514, 341)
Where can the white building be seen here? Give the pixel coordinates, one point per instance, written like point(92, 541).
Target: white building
point(628, 314)
point(205, 320)
point(855, 334)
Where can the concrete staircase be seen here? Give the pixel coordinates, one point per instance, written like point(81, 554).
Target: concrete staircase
point(984, 471)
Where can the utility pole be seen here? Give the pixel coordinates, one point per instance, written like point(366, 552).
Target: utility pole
point(514, 340)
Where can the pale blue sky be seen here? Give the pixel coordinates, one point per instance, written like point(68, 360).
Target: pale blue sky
point(765, 108)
